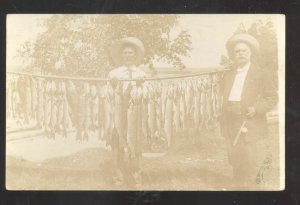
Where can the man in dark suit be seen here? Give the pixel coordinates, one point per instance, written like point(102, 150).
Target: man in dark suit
point(248, 94)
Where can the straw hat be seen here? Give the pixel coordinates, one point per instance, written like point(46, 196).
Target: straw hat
point(242, 38)
point(116, 50)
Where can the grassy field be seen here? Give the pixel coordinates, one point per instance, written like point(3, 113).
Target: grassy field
point(191, 164)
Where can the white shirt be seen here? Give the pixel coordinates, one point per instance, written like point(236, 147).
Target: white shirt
point(124, 72)
point(238, 84)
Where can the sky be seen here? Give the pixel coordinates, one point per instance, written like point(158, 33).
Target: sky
point(209, 33)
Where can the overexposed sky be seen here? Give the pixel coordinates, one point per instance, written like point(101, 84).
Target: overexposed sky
point(21, 28)
point(209, 34)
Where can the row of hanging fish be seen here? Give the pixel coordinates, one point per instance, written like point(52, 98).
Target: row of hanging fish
point(40, 101)
point(21, 98)
point(155, 109)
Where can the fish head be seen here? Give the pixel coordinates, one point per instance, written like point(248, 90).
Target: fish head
point(179, 87)
point(145, 93)
point(86, 87)
point(93, 90)
point(215, 77)
point(170, 91)
point(134, 94)
point(53, 85)
point(199, 83)
point(114, 82)
point(205, 81)
point(209, 79)
point(63, 86)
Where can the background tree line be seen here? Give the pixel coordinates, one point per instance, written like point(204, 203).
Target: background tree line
point(78, 45)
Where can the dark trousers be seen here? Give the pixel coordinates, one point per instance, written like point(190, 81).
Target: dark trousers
point(122, 160)
point(246, 158)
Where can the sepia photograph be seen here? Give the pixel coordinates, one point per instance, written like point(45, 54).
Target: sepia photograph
point(190, 102)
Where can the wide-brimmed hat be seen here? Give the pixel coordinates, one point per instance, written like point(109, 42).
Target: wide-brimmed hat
point(117, 46)
point(242, 38)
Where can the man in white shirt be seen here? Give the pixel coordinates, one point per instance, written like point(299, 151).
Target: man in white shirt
point(248, 94)
point(127, 54)
point(238, 84)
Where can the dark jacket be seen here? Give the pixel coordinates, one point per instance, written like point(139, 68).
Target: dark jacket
point(259, 91)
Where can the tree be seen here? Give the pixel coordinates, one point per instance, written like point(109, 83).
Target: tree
point(79, 44)
point(265, 33)
point(25, 53)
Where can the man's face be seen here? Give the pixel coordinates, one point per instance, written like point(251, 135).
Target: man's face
point(242, 54)
point(129, 56)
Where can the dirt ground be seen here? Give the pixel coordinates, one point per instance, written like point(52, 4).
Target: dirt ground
point(192, 164)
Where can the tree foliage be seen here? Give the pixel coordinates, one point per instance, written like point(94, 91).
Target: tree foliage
point(265, 33)
point(79, 44)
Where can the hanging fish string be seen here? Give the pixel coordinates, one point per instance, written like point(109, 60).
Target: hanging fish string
point(157, 110)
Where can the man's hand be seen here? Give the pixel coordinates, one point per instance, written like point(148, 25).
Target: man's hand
point(250, 112)
point(140, 81)
point(114, 82)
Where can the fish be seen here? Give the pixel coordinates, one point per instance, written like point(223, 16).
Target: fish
point(119, 110)
point(86, 110)
point(11, 90)
point(94, 106)
point(82, 111)
point(209, 102)
point(138, 149)
point(40, 105)
point(9, 87)
point(109, 104)
point(218, 95)
point(18, 103)
point(21, 83)
point(145, 115)
point(34, 98)
point(177, 110)
point(101, 110)
point(54, 108)
point(189, 97)
point(215, 95)
point(168, 126)
point(158, 108)
point(48, 107)
point(66, 116)
point(132, 124)
point(163, 100)
point(196, 110)
point(28, 100)
point(203, 104)
point(72, 101)
point(152, 113)
point(183, 109)
point(62, 109)
point(16, 99)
